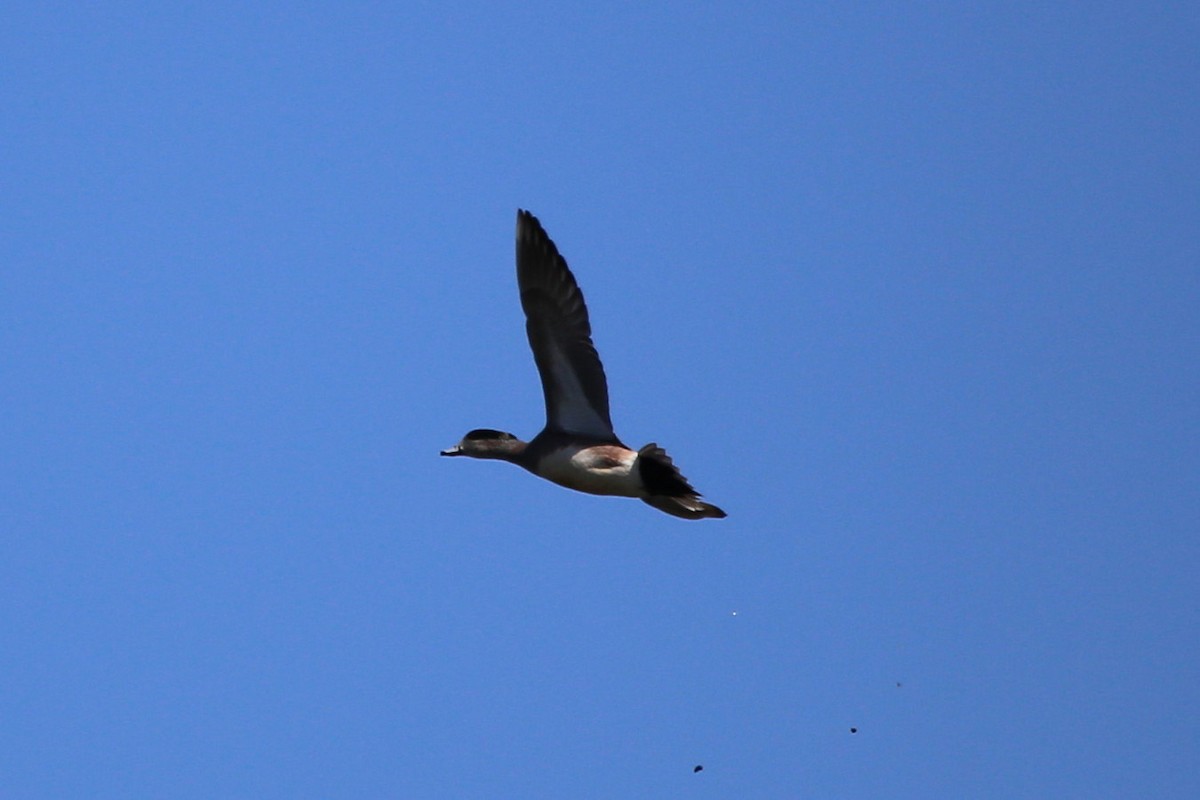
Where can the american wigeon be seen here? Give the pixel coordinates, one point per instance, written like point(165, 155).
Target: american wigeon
point(578, 448)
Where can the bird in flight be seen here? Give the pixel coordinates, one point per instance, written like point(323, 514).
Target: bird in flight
point(578, 448)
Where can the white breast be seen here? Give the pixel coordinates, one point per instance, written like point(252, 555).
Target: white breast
point(599, 469)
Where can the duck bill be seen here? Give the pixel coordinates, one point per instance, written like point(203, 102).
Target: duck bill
point(453, 451)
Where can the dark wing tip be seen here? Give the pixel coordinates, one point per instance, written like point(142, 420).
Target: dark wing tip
point(660, 475)
point(538, 252)
point(530, 227)
point(548, 289)
point(669, 490)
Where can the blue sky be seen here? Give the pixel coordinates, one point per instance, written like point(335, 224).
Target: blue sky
point(910, 290)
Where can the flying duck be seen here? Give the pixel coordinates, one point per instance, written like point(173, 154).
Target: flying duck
point(578, 448)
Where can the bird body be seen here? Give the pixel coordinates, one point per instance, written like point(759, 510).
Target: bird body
point(595, 469)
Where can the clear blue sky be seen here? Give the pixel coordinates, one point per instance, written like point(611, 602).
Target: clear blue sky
point(912, 291)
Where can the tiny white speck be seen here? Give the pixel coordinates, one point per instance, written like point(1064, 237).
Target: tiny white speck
point(735, 613)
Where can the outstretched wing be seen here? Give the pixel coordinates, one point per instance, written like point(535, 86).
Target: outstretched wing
point(560, 336)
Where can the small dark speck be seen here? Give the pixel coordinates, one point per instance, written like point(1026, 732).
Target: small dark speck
point(898, 684)
point(697, 768)
point(854, 730)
